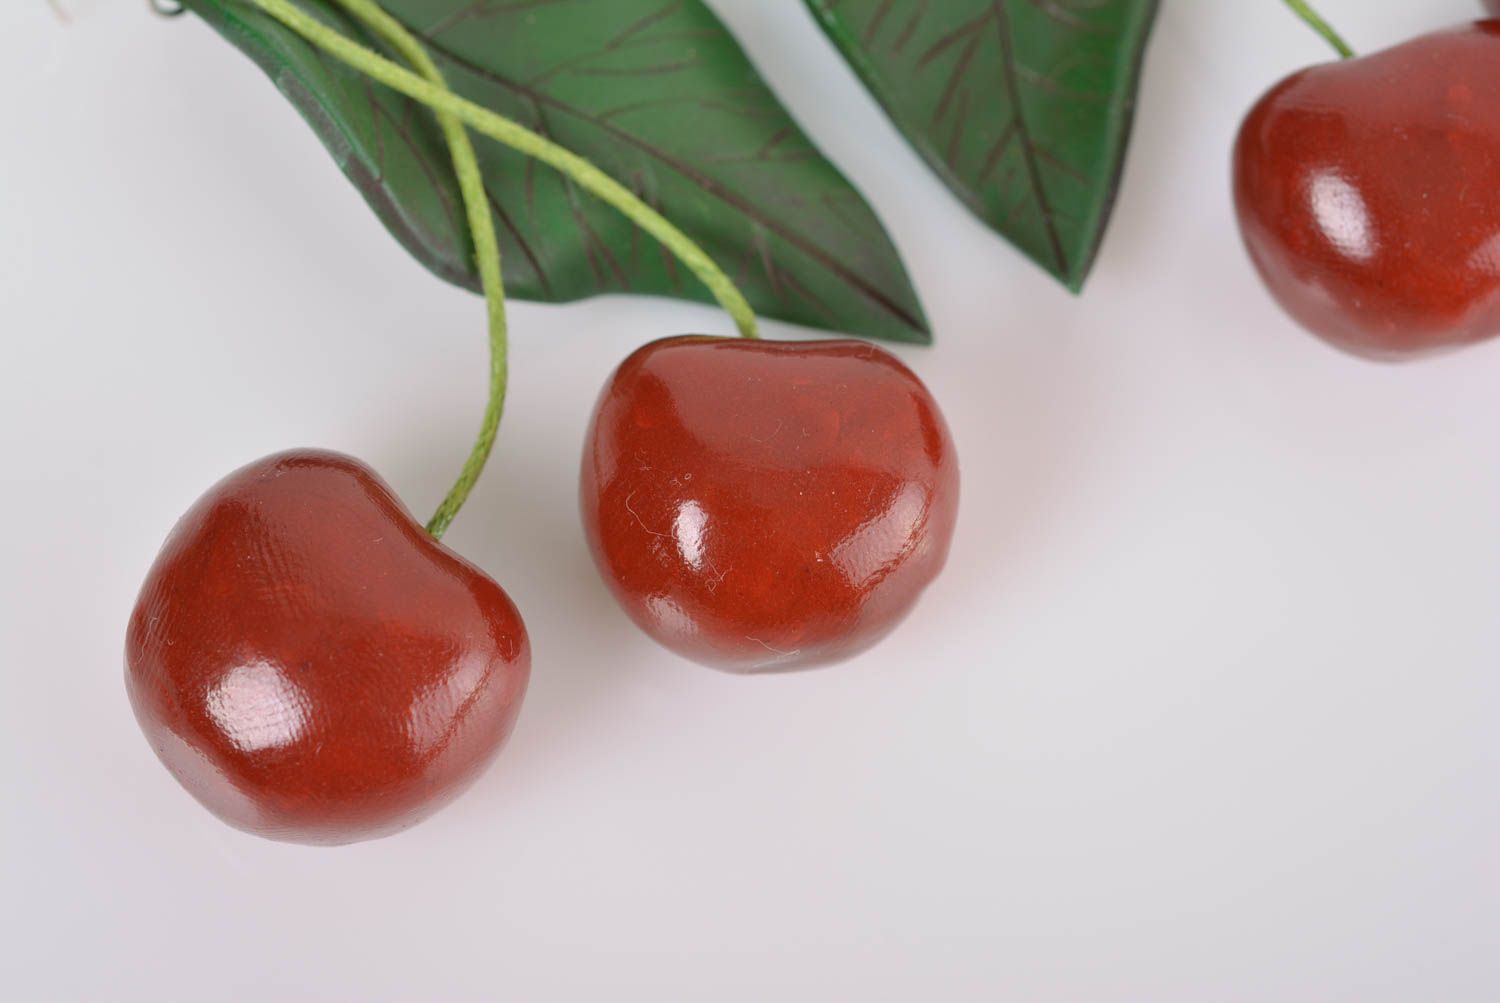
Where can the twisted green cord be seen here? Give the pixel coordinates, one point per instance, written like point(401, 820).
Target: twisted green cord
point(486, 252)
point(453, 113)
point(1304, 10)
point(522, 139)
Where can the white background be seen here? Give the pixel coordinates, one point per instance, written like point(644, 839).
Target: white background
point(1203, 710)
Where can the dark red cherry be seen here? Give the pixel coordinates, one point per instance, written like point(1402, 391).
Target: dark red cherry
point(761, 505)
point(312, 665)
point(1368, 193)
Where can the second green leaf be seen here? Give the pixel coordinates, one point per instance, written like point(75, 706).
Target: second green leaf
point(1022, 106)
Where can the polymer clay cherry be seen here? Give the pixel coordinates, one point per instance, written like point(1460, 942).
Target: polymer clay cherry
point(760, 506)
point(1368, 194)
point(311, 664)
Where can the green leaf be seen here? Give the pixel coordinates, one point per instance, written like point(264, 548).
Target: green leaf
point(655, 92)
point(1023, 107)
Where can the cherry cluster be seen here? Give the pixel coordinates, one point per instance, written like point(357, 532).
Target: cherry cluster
point(314, 665)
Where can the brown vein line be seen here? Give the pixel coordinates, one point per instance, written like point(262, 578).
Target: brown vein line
point(685, 35)
point(1067, 18)
point(670, 261)
point(586, 232)
point(857, 227)
point(421, 158)
point(741, 110)
point(865, 287)
point(521, 241)
point(375, 128)
point(747, 261)
point(949, 40)
point(904, 39)
point(481, 10)
point(956, 78)
point(765, 154)
point(960, 127)
point(583, 58)
point(1061, 166)
point(872, 31)
point(620, 111)
point(1023, 132)
point(530, 171)
point(797, 286)
point(605, 250)
point(459, 16)
point(1014, 214)
point(635, 249)
point(992, 160)
point(1002, 186)
point(669, 99)
point(659, 70)
point(767, 262)
point(646, 22)
point(1050, 84)
point(530, 179)
point(558, 69)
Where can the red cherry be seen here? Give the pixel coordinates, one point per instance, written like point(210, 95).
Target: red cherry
point(763, 505)
point(312, 665)
point(1368, 193)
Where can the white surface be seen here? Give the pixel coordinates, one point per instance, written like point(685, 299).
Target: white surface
point(1204, 708)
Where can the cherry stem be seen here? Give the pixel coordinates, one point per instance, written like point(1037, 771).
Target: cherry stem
point(486, 252)
point(1314, 20)
point(453, 112)
point(518, 137)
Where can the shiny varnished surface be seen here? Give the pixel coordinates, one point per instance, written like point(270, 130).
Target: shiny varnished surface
point(767, 505)
point(1368, 192)
point(311, 665)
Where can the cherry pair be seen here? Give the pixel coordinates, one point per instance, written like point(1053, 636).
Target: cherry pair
point(313, 666)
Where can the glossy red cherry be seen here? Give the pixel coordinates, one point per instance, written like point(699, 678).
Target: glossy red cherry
point(761, 505)
point(1368, 193)
point(312, 665)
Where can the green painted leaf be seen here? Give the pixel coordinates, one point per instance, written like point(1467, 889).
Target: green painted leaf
point(1023, 107)
point(656, 92)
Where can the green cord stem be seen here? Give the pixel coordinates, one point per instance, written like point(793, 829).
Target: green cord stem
point(486, 252)
point(1304, 10)
point(453, 113)
point(518, 137)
